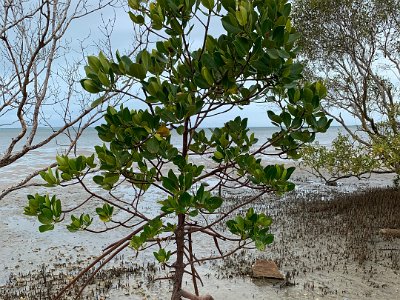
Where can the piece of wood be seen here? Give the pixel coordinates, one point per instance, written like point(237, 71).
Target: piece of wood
point(390, 232)
point(187, 295)
point(266, 269)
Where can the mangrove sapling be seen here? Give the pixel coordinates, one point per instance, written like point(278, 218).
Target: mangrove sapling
point(344, 159)
point(251, 62)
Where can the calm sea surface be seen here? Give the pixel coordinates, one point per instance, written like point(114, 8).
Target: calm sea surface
point(90, 138)
point(44, 156)
point(47, 153)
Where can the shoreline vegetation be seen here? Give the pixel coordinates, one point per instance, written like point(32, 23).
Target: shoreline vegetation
point(327, 243)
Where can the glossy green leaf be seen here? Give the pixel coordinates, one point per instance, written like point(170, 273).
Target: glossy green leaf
point(138, 19)
point(207, 76)
point(241, 15)
point(229, 27)
point(44, 228)
point(97, 102)
point(209, 4)
point(91, 86)
point(94, 63)
point(137, 70)
point(228, 4)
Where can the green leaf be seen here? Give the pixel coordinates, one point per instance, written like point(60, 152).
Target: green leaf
point(260, 245)
point(156, 22)
point(286, 119)
point(57, 208)
point(98, 179)
point(283, 53)
point(91, 86)
point(176, 26)
point(229, 27)
point(137, 70)
point(104, 79)
point(44, 219)
point(268, 239)
point(308, 95)
point(180, 130)
point(162, 256)
point(136, 242)
point(207, 76)
point(289, 172)
point(153, 145)
point(111, 178)
point(104, 62)
point(193, 213)
point(134, 4)
point(228, 4)
point(200, 82)
point(273, 53)
point(278, 35)
point(293, 37)
point(43, 228)
point(209, 4)
point(241, 15)
point(170, 184)
point(97, 102)
point(321, 89)
point(94, 63)
point(213, 203)
point(218, 155)
point(241, 46)
point(274, 117)
point(105, 212)
point(287, 9)
point(138, 19)
point(145, 58)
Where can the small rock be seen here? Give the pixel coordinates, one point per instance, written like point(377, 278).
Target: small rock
point(267, 269)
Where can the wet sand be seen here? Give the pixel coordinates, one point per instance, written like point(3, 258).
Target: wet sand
point(328, 249)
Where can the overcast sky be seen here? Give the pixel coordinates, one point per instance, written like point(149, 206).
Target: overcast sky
point(87, 30)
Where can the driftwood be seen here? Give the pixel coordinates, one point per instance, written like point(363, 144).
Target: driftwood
point(187, 295)
point(390, 232)
point(266, 269)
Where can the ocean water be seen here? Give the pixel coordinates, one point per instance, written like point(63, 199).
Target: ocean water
point(90, 138)
point(47, 153)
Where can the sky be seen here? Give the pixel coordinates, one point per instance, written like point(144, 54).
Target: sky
point(121, 37)
point(86, 31)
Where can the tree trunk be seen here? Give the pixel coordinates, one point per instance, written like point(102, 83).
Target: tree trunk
point(179, 264)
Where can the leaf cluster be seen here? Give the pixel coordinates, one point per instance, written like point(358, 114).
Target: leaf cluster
point(254, 226)
point(150, 230)
point(67, 169)
point(105, 213)
point(48, 210)
point(81, 223)
point(344, 158)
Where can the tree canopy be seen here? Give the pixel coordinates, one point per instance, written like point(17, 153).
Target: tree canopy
point(353, 45)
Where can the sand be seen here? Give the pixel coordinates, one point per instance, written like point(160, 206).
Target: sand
point(302, 248)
